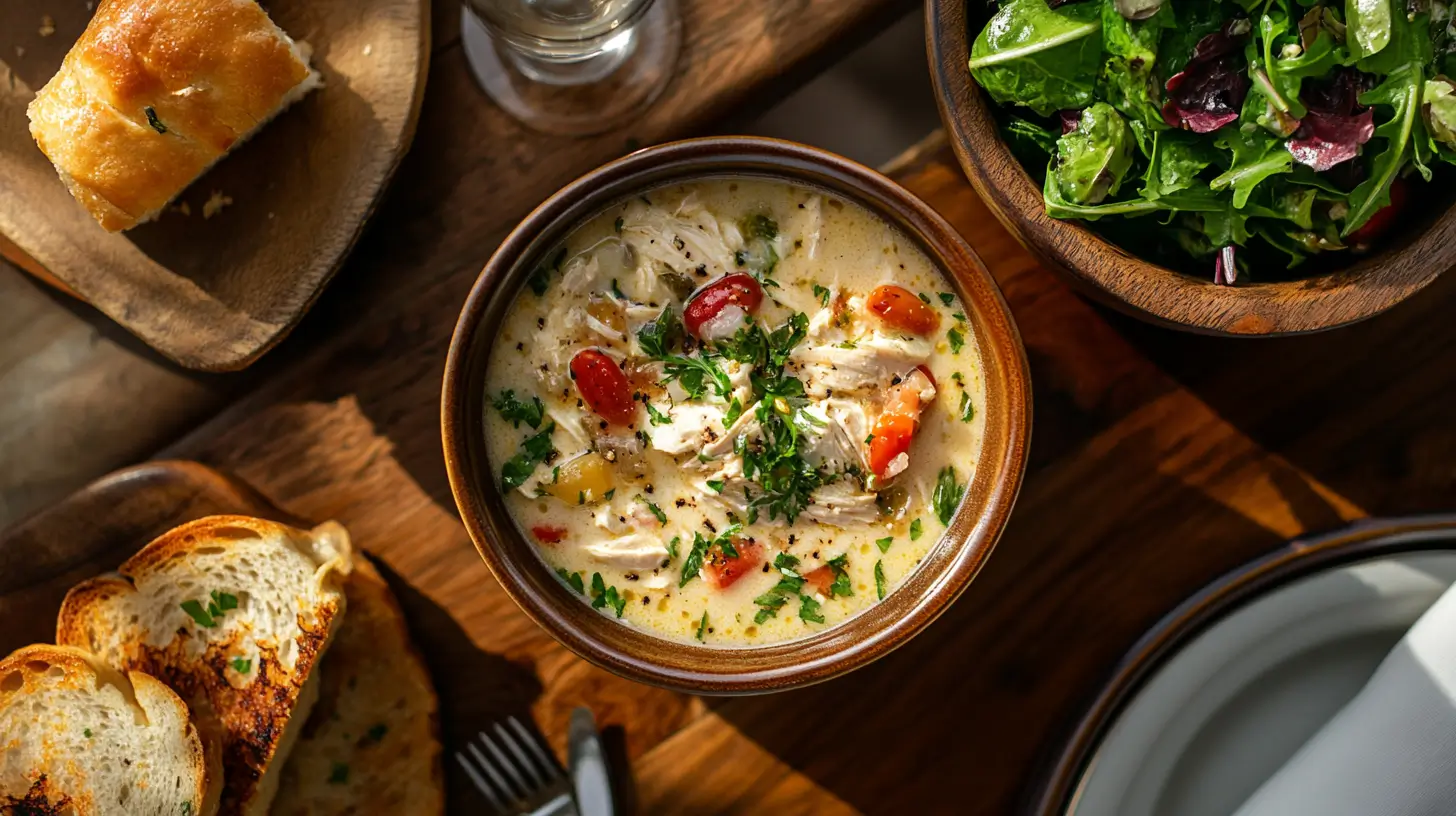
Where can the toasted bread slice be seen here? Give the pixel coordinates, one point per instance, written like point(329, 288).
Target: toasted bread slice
point(233, 613)
point(79, 738)
point(372, 743)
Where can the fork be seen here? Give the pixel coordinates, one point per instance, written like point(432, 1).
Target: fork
point(516, 773)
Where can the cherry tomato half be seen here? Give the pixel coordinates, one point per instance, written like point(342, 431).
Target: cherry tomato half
point(735, 290)
point(546, 534)
point(820, 579)
point(603, 386)
point(723, 571)
point(902, 309)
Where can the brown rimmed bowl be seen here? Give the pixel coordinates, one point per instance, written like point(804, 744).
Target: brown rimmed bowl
point(1367, 540)
point(632, 653)
point(1412, 257)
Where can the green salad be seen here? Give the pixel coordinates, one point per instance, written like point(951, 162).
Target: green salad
point(1285, 128)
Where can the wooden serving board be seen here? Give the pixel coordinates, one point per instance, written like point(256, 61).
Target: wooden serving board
point(216, 293)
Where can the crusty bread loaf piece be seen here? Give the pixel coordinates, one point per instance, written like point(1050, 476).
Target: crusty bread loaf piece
point(234, 614)
point(157, 91)
point(79, 738)
point(372, 743)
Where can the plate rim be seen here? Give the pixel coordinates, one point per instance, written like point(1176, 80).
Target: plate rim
point(1065, 764)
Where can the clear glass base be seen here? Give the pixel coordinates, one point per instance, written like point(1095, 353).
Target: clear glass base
point(577, 89)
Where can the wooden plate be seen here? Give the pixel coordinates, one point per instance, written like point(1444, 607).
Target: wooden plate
point(216, 293)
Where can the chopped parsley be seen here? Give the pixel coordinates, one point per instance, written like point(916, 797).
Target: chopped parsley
point(609, 494)
point(880, 579)
point(693, 564)
point(956, 339)
point(822, 293)
point(604, 596)
point(87, 733)
point(735, 410)
point(672, 547)
point(153, 120)
point(534, 450)
point(884, 543)
point(947, 298)
point(658, 337)
point(947, 495)
point(515, 412)
point(340, 774)
point(695, 374)
point(242, 666)
point(541, 278)
point(809, 610)
point(758, 253)
point(916, 529)
point(841, 587)
point(617, 292)
point(208, 616)
point(959, 316)
point(572, 579)
point(925, 298)
point(655, 416)
point(715, 485)
point(968, 409)
point(788, 588)
point(702, 627)
point(656, 511)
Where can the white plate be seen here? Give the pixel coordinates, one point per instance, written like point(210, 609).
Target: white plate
point(1228, 709)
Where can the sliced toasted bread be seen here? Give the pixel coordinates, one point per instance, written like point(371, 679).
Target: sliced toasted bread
point(372, 743)
point(233, 613)
point(79, 738)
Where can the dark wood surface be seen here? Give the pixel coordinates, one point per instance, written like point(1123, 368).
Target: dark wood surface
point(1159, 460)
point(1344, 291)
point(216, 292)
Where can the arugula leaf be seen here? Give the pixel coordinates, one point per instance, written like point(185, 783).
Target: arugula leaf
point(1045, 59)
point(1029, 142)
point(533, 451)
point(1197, 198)
point(947, 495)
point(1178, 158)
point(1368, 26)
point(880, 579)
point(658, 337)
point(515, 412)
point(1256, 157)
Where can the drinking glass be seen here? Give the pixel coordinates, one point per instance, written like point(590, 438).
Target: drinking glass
point(572, 66)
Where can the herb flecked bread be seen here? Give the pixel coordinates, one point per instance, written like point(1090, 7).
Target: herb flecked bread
point(81, 739)
point(157, 91)
point(372, 743)
point(234, 614)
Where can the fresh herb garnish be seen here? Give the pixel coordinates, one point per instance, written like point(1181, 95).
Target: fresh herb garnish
point(541, 278)
point(735, 410)
point(968, 409)
point(242, 666)
point(604, 596)
point(880, 579)
point(86, 732)
point(515, 412)
point(947, 495)
point(655, 416)
point(154, 121)
point(208, 617)
point(884, 543)
point(723, 542)
point(956, 339)
point(533, 451)
point(809, 610)
point(658, 337)
point(572, 579)
point(823, 293)
point(656, 511)
point(702, 627)
point(672, 546)
point(916, 529)
point(198, 613)
point(841, 587)
point(695, 375)
point(715, 485)
point(947, 298)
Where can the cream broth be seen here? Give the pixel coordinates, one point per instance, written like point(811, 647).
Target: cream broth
point(669, 508)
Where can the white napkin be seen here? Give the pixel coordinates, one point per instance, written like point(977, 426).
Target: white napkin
point(1391, 751)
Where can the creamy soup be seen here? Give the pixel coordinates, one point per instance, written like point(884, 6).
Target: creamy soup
point(734, 412)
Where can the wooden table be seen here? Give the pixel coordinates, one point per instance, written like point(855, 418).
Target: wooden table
point(1159, 461)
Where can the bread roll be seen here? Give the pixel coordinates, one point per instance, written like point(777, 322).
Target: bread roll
point(157, 91)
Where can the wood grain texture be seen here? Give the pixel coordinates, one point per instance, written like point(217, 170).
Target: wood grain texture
point(215, 293)
point(1421, 250)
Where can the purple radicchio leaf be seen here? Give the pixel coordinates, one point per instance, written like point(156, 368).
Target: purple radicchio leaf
point(1069, 120)
point(1335, 127)
point(1209, 92)
point(1225, 271)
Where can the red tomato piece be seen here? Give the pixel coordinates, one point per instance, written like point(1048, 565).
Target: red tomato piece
point(1382, 220)
point(737, 289)
point(820, 579)
point(603, 386)
point(895, 428)
point(547, 534)
point(723, 571)
point(902, 309)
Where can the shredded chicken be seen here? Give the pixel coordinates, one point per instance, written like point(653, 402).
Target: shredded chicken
point(867, 364)
point(842, 504)
point(634, 551)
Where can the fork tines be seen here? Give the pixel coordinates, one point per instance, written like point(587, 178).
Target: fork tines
point(511, 766)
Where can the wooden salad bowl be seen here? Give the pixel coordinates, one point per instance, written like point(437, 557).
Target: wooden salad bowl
point(1410, 259)
point(632, 653)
